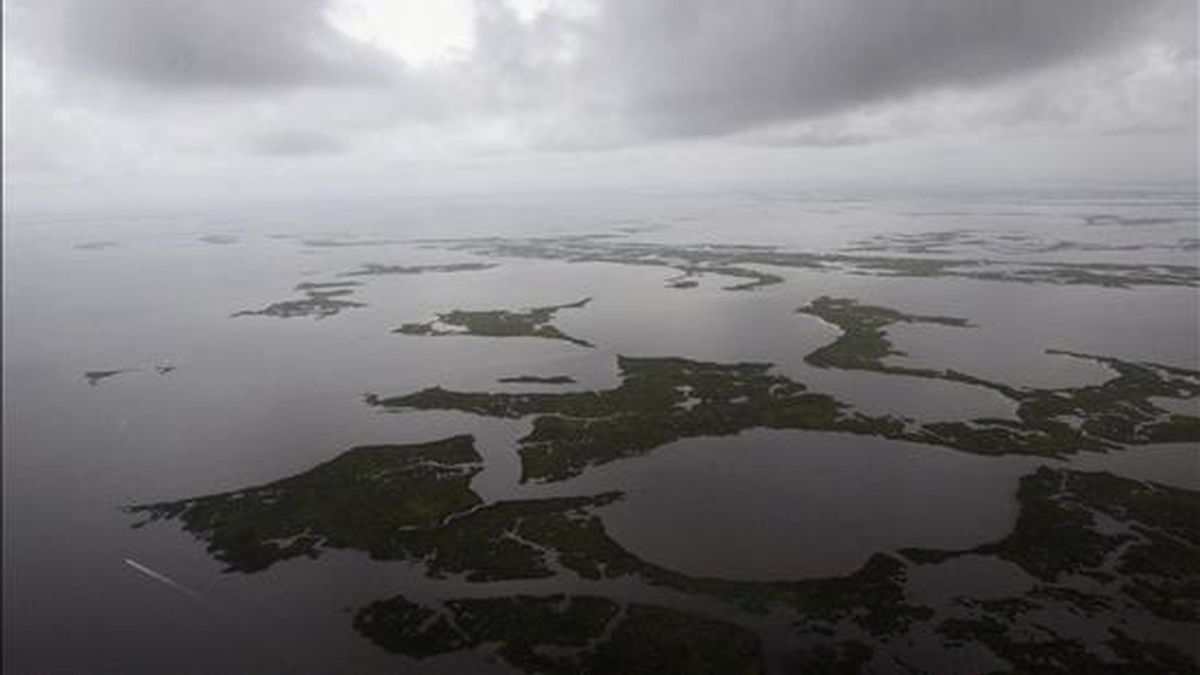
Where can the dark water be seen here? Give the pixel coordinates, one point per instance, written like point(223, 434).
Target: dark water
point(253, 399)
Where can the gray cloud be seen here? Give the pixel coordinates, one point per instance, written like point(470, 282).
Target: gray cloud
point(632, 69)
point(297, 142)
point(178, 44)
point(156, 87)
point(696, 67)
point(638, 71)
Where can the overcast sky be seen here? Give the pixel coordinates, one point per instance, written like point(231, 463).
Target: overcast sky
point(271, 98)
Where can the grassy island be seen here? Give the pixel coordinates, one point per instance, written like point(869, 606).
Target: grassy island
point(361, 499)
point(661, 400)
point(863, 343)
point(587, 634)
point(534, 322)
point(1117, 411)
point(1135, 544)
point(1145, 560)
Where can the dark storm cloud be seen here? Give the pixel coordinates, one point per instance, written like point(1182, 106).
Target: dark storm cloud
point(696, 67)
point(213, 43)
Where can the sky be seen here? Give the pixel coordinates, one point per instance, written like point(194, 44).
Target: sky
point(130, 102)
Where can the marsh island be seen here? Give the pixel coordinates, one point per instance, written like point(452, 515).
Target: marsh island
point(743, 261)
point(413, 503)
point(321, 300)
point(661, 400)
point(502, 323)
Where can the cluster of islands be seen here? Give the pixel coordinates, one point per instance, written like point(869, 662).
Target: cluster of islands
point(323, 299)
point(1106, 568)
point(1109, 567)
point(665, 399)
point(745, 262)
point(1096, 550)
point(1004, 243)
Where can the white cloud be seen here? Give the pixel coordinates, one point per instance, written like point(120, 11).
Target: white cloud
point(418, 32)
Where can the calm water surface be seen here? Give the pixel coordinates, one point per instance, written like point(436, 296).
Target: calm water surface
point(253, 399)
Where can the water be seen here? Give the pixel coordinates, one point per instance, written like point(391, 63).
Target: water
point(253, 399)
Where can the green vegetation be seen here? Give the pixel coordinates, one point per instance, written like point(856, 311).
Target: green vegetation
point(1116, 412)
point(399, 502)
point(534, 322)
point(361, 499)
point(519, 625)
point(642, 639)
point(726, 259)
point(660, 640)
point(1054, 534)
point(321, 300)
point(661, 400)
point(407, 628)
point(1156, 549)
point(413, 503)
point(863, 343)
point(510, 539)
point(538, 379)
point(1076, 525)
point(1101, 548)
point(327, 298)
